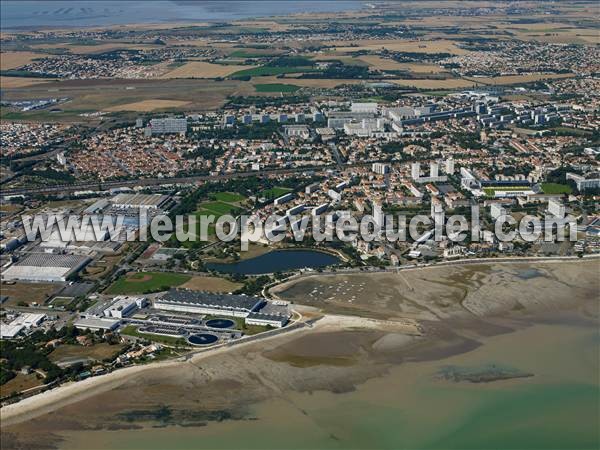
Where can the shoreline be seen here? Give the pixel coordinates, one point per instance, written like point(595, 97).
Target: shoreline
point(53, 399)
point(61, 396)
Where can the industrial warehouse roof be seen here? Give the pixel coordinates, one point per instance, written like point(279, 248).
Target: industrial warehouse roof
point(45, 266)
point(142, 200)
point(195, 298)
point(51, 260)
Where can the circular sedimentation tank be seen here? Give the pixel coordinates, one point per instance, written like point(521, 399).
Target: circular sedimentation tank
point(220, 323)
point(202, 339)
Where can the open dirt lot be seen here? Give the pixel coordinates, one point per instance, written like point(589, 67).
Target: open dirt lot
point(211, 284)
point(20, 383)
point(28, 292)
point(97, 352)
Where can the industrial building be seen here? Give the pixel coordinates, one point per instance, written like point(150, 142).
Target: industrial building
point(45, 267)
point(95, 324)
point(206, 303)
point(150, 201)
point(20, 324)
point(168, 125)
point(124, 306)
point(264, 319)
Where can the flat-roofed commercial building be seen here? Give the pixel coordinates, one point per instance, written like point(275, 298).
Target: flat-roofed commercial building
point(151, 201)
point(168, 125)
point(205, 303)
point(94, 324)
point(45, 267)
point(124, 306)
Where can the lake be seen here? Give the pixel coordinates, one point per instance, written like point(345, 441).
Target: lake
point(36, 14)
point(277, 261)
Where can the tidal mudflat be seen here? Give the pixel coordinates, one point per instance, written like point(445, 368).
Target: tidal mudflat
point(522, 377)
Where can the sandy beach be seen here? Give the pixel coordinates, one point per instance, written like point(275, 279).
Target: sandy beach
point(63, 395)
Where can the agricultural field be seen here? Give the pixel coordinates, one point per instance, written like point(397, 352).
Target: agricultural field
point(13, 60)
point(146, 282)
point(276, 87)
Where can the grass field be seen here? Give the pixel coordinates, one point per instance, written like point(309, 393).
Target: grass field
point(490, 192)
point(450, 83)
point(266, 71)
point(145, 282)
point(252, 53)
point(28, 292)
point(229, 197)
point(18, 82)
point(398, 45)
point(216, 208)
point(148, 105)
point(274, 192)
point(202, 69)
point(276, 87)
point(131, 330)
point(556, 188)
point(98, 352)
point(515, 79)
point(20, 383)
point(389, 64)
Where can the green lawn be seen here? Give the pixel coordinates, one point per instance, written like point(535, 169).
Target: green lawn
point(556, 188)
point(229, 197)
point(276, 87)
point(217, 208)
point(275, 192)
point(251, 53)
point(268, 70)
point(490, 192)
point(146, 282)
point(131, 330)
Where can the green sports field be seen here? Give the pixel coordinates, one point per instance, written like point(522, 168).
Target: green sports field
point(146, 282)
